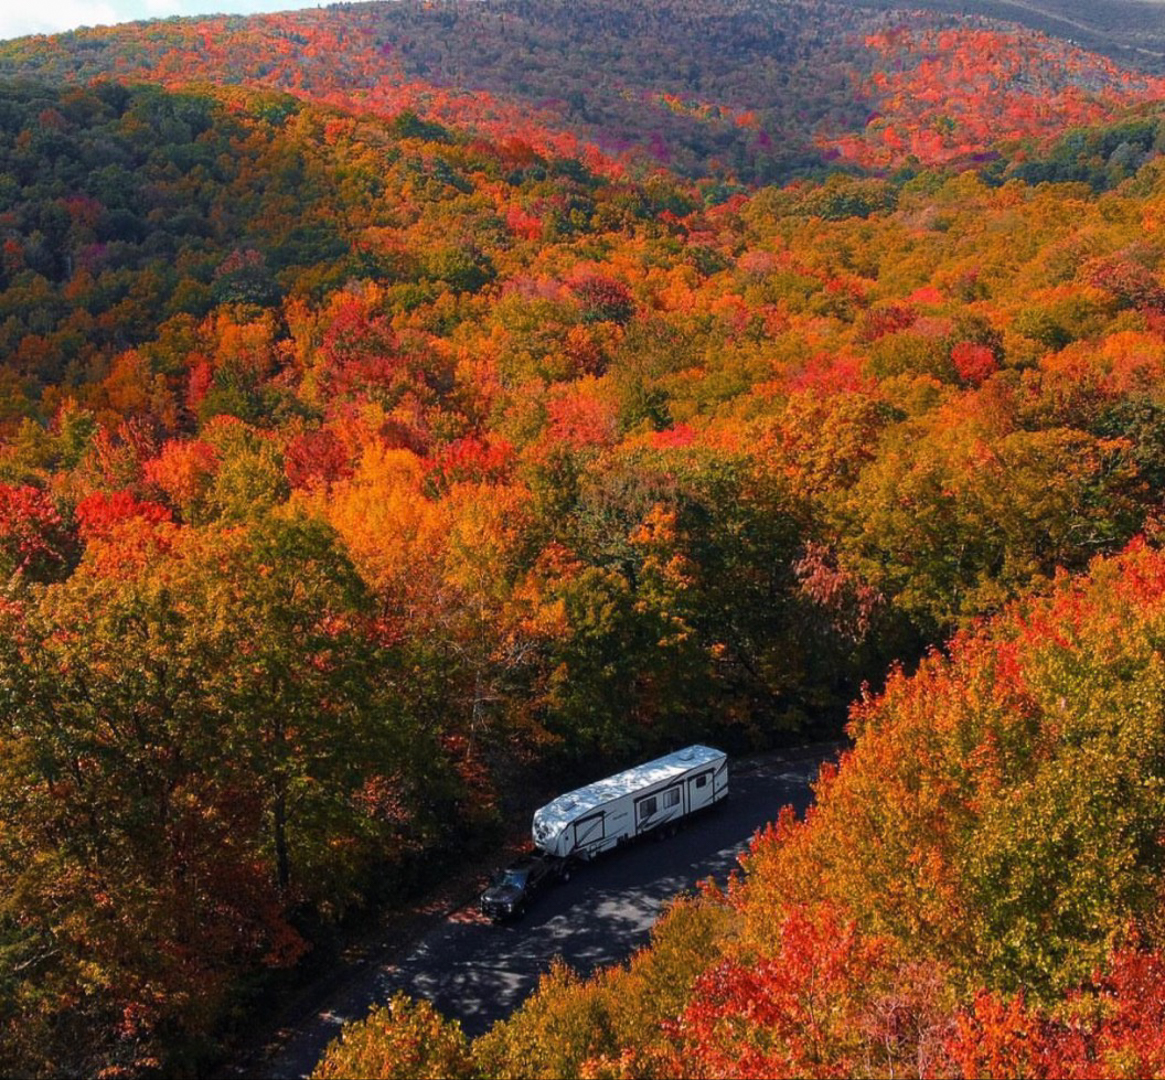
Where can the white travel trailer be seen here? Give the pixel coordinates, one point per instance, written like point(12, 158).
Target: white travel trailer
point(611, 812)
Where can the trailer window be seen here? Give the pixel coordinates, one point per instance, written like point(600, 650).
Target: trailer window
point(647, 808)
point(671, 798)
point(702, 781)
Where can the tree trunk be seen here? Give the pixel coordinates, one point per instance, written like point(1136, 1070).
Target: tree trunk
point(279, 821)
point(279, 808)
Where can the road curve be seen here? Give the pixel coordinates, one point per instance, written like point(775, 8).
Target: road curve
point(480, 973)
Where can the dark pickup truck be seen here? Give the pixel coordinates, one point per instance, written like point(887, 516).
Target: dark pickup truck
point(511, 890)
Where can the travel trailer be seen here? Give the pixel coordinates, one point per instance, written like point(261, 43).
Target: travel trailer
point(651, 797)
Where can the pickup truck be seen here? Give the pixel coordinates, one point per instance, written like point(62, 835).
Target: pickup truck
point(511, 890)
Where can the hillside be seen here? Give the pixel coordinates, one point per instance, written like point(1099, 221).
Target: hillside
point(1129, 32)
point(761, 92)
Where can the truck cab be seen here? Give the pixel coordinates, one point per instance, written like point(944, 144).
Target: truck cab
point(511, 890)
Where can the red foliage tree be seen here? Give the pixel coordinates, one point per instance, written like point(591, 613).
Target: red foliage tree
point(99, 515)
point(35, 541)
point(797, 1013)
point(470, 458)
point(974, 363)
point(316, 457)
point(603, 299)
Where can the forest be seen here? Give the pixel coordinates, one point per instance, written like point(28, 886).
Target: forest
point(371, 444)
point(741, 90)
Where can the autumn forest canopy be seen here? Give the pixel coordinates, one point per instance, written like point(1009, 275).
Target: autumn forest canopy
point(401, 403)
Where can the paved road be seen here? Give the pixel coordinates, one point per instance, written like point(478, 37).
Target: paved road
point(480, 973)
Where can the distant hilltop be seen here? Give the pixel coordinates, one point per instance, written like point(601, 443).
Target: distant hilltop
point(756, 91)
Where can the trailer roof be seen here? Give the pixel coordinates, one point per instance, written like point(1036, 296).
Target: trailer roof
point(556, 815)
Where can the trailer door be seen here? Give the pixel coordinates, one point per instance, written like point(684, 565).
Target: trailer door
point(700, 790)
point(720, 781)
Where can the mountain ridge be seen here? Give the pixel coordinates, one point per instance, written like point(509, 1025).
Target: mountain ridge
point(737, 89)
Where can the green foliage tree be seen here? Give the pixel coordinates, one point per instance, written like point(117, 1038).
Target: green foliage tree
point(193, 748)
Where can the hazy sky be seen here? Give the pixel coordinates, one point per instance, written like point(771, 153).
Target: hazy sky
point(19, 17)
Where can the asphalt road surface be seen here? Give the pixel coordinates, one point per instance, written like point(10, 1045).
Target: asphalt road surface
point(479, 973)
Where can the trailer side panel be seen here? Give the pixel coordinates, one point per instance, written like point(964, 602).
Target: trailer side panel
point(651, 796)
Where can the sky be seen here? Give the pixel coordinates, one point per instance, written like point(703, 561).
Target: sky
point(20, 17)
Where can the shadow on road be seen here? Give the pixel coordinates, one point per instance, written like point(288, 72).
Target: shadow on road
point(479, 973)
